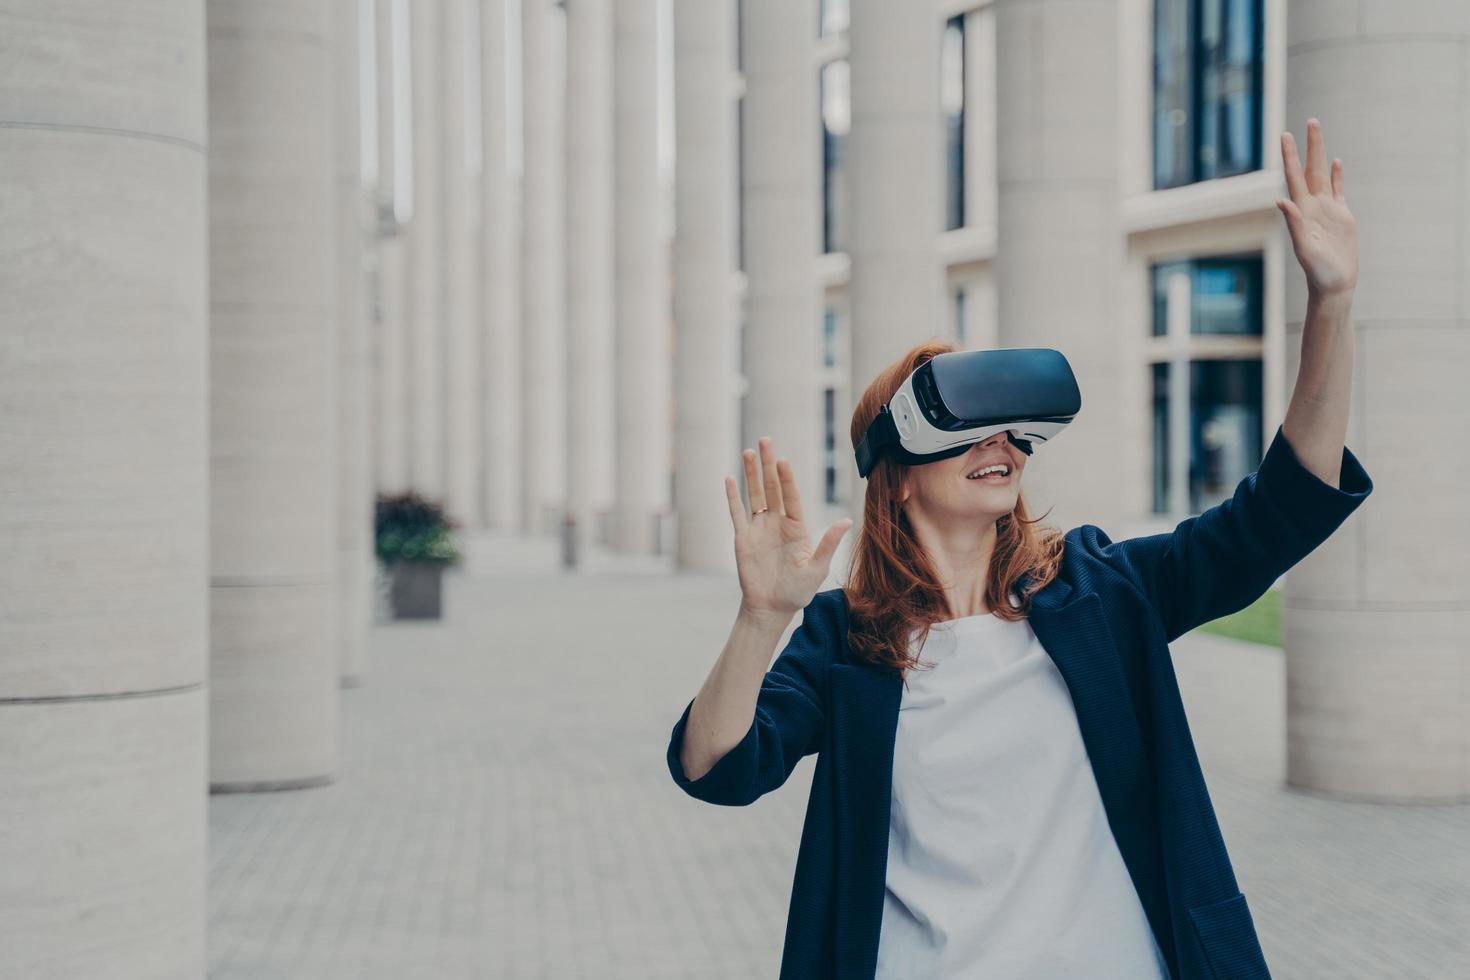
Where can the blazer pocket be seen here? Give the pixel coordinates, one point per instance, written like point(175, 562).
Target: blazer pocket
point(1227, 935)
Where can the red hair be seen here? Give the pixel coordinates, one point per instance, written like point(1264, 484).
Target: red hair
point(892, 589)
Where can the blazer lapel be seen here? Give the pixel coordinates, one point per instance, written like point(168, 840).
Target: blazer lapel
point(865, 701)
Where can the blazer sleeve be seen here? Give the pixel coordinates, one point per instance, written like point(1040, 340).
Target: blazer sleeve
point(788, 722)
point(1222, 560)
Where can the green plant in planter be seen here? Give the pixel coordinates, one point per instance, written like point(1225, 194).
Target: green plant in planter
point(410, 527)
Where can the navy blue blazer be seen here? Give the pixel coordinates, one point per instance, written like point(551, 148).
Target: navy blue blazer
point(1106, 621)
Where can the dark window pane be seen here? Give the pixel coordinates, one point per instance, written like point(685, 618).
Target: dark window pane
point(1173, 119)
point(740, 35)
point(1160, 381)
point(1224, 428)
point(1161, 273)
point(1229, 78)
point(959, 314)
point(1227, 296)
point(740, 184)
point(829, 423)
point(952, 101)
point(829, 337)
point(1208, 57)
point(836, 116)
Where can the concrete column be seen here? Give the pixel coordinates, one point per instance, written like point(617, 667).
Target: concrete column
point(543, 327)
point(427, 259)
point(501, 391)
point(644, 323)
point(782, 174)
point(390, 348)
point(589, 269)
point(273, 394)
point(1059, 244)
point(706, 427)
point(354, 478)
point(104, 478)
point(463, 349)
point(1378, 704)
point(896, 165)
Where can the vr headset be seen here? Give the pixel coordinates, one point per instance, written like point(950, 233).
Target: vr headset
point(956, 399)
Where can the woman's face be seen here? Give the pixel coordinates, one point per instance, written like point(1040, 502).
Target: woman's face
point(944, 492)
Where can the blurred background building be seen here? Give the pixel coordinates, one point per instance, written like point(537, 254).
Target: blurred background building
point(556, 263)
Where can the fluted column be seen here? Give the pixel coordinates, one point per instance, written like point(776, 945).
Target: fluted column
point(1378, 704)
point(896, 286)
point(427, 254)
point(502, 392)
point(644, 323)
point(1059, 244)
point(543, 333)
point(706, 433)
point(390, 354)
point(463, 348)
point(783, 213)
point(273, 394)
point(354, 477)
point(104, 482)
point(589, 268)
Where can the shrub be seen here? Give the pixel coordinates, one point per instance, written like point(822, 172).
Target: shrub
point(410, 527)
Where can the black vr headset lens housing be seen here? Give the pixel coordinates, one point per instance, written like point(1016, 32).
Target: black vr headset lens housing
point(959, 398)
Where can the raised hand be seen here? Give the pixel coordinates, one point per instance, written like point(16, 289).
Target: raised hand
point(778, 568)
point(1324, 233)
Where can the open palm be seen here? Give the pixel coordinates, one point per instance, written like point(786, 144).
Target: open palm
point(1324, 233)
point(779, 570)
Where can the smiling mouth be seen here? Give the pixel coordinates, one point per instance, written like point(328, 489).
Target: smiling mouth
point(994, 476)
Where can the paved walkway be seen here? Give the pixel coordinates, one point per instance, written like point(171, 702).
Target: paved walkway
point(503, 810)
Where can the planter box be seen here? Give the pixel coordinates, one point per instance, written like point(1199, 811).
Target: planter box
point(415, 588)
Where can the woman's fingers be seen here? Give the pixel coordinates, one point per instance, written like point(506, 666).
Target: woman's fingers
point(790, 498)
point(768, 474)
point(1294, 220)
point(1291, 166)
point(753, 488)
point(737, 507)
point(1338, 192)
point(828, 544)
point(1317, 179)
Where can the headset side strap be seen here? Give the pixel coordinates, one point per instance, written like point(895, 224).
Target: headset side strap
point(881, 434)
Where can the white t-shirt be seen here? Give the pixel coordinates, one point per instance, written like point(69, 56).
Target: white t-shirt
point(1000, 859)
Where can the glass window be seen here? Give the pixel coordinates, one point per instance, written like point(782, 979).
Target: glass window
point(1161, 436)
point(1162, 273)
point(829, 337)
point(836, 118)
point(739, 35)
point(1225, 295)
point(740, 185)
point(1229, 79)
point(959, 315)
point(1208, 57)
point(829, 424)
point(952, 100)
point(1224, 428)
point(1173, 120)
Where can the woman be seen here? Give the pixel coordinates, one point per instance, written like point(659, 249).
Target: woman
point(1025, 800)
